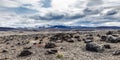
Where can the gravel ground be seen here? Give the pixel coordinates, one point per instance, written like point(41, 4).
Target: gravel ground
point(12, 43)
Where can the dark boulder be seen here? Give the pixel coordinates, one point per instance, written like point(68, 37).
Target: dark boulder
point(25, 53)
point(50, 45)
point(53, 51)
point(94, 47)
point(27, 47)
point(90, 37)
point(112, 39)
point(103, 38)
point(87, 40)
point(116, 52)
point(36, 38)
point(71, 40)
point(98, 35)
point(115, 35)
point(61, 36)
point(77, 37)
point(109, 33)
point(4, 51)
point(118, 39)
point(107, 46)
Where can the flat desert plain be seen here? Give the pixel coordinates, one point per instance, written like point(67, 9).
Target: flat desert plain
point(60, 45)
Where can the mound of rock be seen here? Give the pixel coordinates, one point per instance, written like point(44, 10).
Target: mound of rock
point(87, 40)
point(50, 45)
point(94, 47)
point(116, 52)
point(53, 51)
point(25, 53)
point(113, 39)
point(107, 46)
point(61, 36)
point(103, 38)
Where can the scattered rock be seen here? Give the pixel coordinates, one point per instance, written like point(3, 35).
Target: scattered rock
point(116, 52)
point(27, 47)
point(112, 39)
point(4, 59)
point(107, 46)
point(18, 44)
point(103, 38)
point(115, 35)
point(61, 36)
point(77, 36)
point(70, 40)
point(87, 41)
point(50, 45)
point(25, 53)
point(53, 51)
point(109, 33)
point(118, 39)
point(36, 38)
point(98, 35)
point(90, 37)
point(4, 51)
point(94, 47)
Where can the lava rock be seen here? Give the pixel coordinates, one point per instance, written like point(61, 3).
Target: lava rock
point(118, 39)
point(103, 38)
point(77, 37)
point(109, 33)
point(4, 51)
point(25, 53)
point(70, 40)
point(112, 39)
point(36, 38)
point(115, 35)
point(50, 45)
point(116, 52)
point(27, 47)
point(53, 51)
point(107, 46)
point(87, 41)
point(98, 35)
point(94, 47)
point(90, 37)
point(60, 36)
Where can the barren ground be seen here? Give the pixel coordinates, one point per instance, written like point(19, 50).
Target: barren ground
point(13, 42)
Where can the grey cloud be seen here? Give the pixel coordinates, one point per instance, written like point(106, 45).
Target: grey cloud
point(58, 16)
point(94, 2)
point(46, 4)
point(89, 15)
point(91, 11)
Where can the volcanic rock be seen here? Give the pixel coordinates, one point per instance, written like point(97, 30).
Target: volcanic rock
point(94, 47)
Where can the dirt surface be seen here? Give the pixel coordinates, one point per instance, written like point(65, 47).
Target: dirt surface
point(69, 45)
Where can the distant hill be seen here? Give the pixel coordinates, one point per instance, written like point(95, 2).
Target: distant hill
point(108, 27)
point(6, 28)
point(62, 27)
point(80, 27)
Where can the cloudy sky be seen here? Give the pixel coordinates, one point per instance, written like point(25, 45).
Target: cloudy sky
point(34, 13)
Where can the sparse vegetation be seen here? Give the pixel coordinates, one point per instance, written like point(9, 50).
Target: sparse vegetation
point(60, 56)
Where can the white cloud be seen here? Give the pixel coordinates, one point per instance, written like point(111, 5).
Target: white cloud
point(8, 3)
point(66, 12)
point(111, 24)
point(63, 4)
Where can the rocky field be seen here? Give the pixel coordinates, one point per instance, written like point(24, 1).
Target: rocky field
point(60, 45)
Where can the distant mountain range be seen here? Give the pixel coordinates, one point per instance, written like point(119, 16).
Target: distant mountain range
point(62, 27)
point(81, 27)
point(6, 28)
